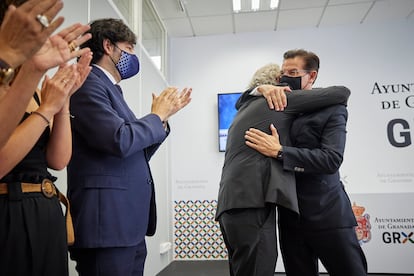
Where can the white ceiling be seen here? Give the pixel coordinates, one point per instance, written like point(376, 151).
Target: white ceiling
point(213, 17)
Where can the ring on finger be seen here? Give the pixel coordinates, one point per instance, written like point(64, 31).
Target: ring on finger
point(42, 20)
point(72, 46)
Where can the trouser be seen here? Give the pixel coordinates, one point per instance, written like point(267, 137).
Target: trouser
point(337, 249)
point(112, 261)
point(250, 238)
point(32, 234)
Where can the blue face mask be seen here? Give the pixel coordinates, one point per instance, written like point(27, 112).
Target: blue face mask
point(128, 65)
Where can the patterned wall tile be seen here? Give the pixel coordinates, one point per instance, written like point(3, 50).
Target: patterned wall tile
point(196, 234)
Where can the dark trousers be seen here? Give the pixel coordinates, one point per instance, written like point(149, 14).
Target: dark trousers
point(250, 238)
point(112, 261)
point(32, 235)
point(338, 250)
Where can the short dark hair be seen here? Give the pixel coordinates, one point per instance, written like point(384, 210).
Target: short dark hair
point(115, 30)
point(4, 5)
point(310, 58)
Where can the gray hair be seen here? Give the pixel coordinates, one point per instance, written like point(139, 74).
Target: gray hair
point(268, 74)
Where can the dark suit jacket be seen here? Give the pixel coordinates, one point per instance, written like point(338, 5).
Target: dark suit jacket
point(250, 179)
point(319, 142)
point(109, 180)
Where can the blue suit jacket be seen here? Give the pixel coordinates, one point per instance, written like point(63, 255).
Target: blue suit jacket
point(109, 180)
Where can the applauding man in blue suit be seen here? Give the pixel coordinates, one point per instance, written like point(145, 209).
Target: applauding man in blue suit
point(109, 180)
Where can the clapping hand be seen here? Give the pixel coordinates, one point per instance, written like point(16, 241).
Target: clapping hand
point(170, 102)
point(62, 47)
point(83, 69)
point(56, 90)
point(185, 98)
point(21, 33)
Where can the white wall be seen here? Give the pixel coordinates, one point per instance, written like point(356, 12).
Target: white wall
point(356, 56)
point(137, 91)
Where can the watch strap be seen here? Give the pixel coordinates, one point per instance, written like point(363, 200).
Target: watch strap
point(279, 155)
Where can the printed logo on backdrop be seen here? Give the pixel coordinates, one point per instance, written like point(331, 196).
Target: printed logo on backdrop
point(399, 130)
point(398, 231)
point(363, 229)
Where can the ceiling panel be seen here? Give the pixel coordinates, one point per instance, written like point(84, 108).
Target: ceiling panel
point(253, 22)
point(168, 9)
point(178, 27)
point(342, 2)
point(212, 25)
point(208, 7)
point(348, 14)
point(209, 17)
point(390, 10)
point(301, 4)
point(299, 18)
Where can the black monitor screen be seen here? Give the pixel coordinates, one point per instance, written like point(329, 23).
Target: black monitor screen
point(226, 111)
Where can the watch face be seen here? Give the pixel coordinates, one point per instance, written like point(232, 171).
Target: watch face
point(6, 76)
point(280, 155)
point(6, 73)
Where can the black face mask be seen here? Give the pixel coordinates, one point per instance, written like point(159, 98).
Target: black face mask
point(295, 83)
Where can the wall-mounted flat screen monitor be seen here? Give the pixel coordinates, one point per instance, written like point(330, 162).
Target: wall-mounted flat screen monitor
point(226, 111)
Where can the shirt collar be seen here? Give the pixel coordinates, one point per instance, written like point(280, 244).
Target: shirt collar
point(109, 75)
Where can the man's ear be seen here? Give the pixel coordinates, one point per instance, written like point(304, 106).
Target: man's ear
point(313, 75)
point(108, 46)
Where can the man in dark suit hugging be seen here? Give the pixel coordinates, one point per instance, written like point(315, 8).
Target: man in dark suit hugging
point(253, 184)
point(324, 229)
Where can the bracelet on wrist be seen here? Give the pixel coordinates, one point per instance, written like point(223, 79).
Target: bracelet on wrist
point(67, 113)
point(41, 115)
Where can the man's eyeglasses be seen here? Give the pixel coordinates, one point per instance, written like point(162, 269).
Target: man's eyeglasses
point(293, 73)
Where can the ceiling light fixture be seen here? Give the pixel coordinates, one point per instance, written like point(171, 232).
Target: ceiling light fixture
point(255, 5)
point(236, 5)
point(274, 4)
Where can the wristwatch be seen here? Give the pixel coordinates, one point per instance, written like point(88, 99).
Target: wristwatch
point(6, 73)
point(279, 155)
